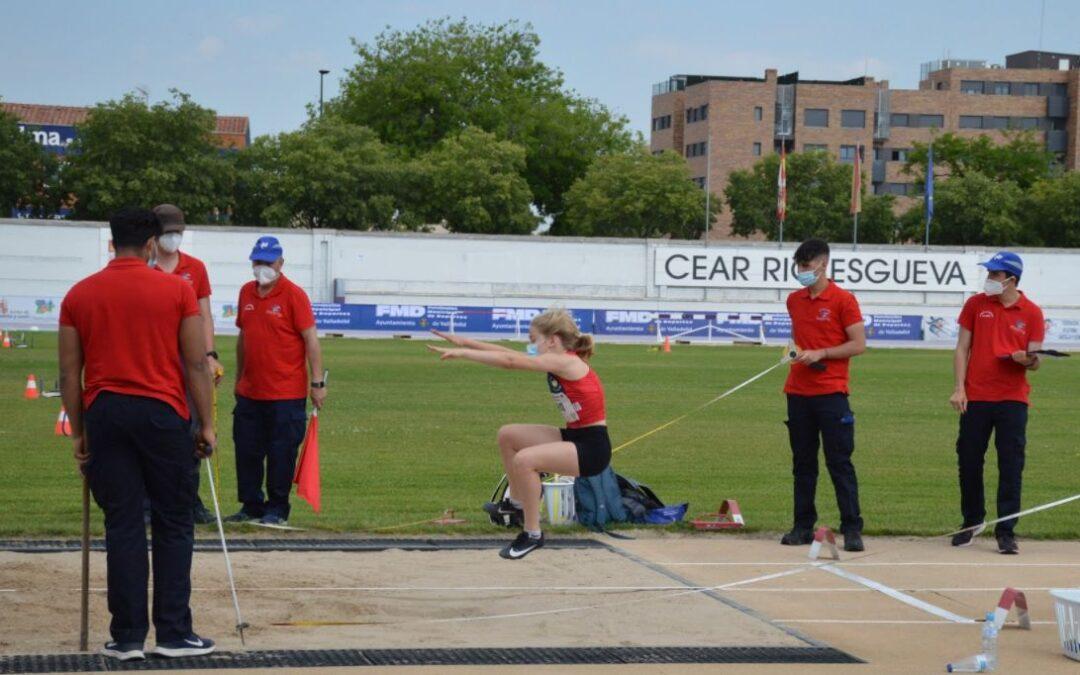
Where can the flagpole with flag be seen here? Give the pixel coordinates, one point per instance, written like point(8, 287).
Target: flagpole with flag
point(856, 195)
point(781, 191)
point(929, 192)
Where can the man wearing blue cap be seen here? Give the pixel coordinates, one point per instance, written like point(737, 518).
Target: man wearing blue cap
point(999, 330)
point(277, 348)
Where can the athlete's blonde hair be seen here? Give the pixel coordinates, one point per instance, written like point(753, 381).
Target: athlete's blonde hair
point(559, 322)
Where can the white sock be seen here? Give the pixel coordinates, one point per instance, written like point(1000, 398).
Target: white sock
point(516, 504)
point(533, 534)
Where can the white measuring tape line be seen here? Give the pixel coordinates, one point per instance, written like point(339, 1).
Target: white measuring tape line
point(1035, 509)
point(897, 595)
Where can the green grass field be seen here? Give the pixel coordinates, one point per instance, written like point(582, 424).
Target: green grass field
point(405, 436)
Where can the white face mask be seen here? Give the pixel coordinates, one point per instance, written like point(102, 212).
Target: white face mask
point(993, 287)
point(264, 274)
point(170, 243)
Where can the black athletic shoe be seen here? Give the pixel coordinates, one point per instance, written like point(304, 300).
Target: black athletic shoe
point(202, 515)
point(522, 546)
point(505, 514)
point(797, 537)
point(1007, 544)
point(192, 645)
point(853, 542)
point(240, 516)
point(963, 538)
point(124, 651)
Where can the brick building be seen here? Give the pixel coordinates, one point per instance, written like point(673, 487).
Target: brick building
point(722, 124)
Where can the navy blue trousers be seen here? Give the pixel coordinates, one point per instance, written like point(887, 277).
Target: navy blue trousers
point(267, 436)
point(1007, 420)
point(141, 447)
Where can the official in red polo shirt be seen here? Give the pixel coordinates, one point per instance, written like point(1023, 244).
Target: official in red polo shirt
point(999, 329)
point(277, 348)
point(131, 351)
point(192, 270)
point(828, 327)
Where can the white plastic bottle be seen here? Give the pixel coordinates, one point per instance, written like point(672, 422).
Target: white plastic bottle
point(989, 641)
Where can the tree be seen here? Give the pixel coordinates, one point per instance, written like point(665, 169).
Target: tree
point(328, 174)
point(970, 210)
point(415, 88)
point(1051, 209)
point(128, 153)
point(1022, 159)
point(26, 171)
point(636, 195)
point(818, 201)
point(878, 223)
point(476, 185)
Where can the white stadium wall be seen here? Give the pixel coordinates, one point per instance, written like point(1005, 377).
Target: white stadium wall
point(405, 276)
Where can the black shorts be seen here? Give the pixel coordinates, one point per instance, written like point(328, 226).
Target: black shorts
point(593, 448)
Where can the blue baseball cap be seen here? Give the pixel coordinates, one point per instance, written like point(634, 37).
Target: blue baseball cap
point(267, 249)
point(1005, 261)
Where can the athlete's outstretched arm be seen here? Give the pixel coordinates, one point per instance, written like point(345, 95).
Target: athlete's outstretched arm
point(469, 343)
point(562, 365)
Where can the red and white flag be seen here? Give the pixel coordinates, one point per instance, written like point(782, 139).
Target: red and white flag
point(856, 182)
point(781, 186)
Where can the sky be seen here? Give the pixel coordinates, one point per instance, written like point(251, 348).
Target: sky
point(261, 58)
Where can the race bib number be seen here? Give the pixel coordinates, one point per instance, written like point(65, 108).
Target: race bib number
point(567, 408)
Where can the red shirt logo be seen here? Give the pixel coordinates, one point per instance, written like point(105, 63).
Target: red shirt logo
point(249, 307)
point(823, 314)
point(1019, 326)
point(275, 310)
point(986, 314)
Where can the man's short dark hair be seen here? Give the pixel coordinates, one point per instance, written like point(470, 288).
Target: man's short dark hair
point(811, 249)
point(132, 228)
point(169, 214)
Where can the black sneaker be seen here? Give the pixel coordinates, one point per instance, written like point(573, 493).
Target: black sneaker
point(240, 516)
point(192, 645)
point(203, 515)
point(1007, 544)
point(522, 546)
point(797, 537)
point(273, 519)
point(505, 514)
point(853, 542)
point(124, 651)
point(963, 538)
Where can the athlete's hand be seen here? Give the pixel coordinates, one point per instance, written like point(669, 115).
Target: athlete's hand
point(444, 353)
point(452, 339)
point(1024, 359)
point(205, 442)
point(79, 451)
point(216, 369)
point(959, 400)
point(318, 396)
point(810, 356)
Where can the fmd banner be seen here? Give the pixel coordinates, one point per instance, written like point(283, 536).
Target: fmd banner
point(855, 270)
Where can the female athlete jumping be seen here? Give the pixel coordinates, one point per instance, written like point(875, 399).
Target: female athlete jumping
point(581, 449)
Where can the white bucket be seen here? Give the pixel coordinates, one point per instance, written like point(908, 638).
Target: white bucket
point(559, 501)
point(1067, 609)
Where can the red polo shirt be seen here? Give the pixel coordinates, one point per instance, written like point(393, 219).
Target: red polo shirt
point(996, 332)
point(820, 323)
point(193, 271)
point(275, 360)
point(128, 319)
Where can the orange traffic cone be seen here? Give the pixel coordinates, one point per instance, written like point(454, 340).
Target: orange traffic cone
point(7, 339)
point(63, 424)
point(31, 388)
point(667, 345)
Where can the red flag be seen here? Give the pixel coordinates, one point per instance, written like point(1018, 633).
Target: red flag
point(856, 182)
point(781, 186)
point(307, 468)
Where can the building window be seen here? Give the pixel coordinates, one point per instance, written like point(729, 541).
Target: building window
point(757, 113)
point(853, 119)
point(998, 88)
point(699, 181)
point(697, 114)
point(899, 119)
point(899, 189)
point(661, 123)
point(971, 122)
point(1029, 89)
point(933, 121)
point(696, 149)
point(657, 153)
point(815, 147)
point(757, 150)
point(1026, 123)
point(847, 153)
point(878, 153)
point(898, 154)
point(995, 122)
point(1052, 89)
point(816, 117)
point(971, 86)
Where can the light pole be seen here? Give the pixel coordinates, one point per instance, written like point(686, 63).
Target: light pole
point(322, 74)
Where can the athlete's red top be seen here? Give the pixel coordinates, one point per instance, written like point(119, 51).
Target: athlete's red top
point(581, 402)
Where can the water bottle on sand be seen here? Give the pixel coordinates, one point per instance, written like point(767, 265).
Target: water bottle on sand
point(985, 661)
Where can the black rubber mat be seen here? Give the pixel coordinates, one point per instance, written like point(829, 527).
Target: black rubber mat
point(260, 544)
point(89, 663)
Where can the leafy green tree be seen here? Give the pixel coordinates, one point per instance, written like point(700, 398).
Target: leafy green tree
point(636, 195)
point(1051, 209)
point(328, 174)
point(1022, 159)
point(128, 153)
point(27, 171)
point(969, 210)
point(414, 88)
point(818, 201)
point(476, 185)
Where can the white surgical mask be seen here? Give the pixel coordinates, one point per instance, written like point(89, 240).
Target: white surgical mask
point(170, 243)
point(807, 278)
point(993, 287)
point(265, 274)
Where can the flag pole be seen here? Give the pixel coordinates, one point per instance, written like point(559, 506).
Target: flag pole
point(708, 187)
point(855, 233)
point(928, 192)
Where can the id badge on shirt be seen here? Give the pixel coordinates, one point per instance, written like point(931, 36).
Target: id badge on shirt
point(566, 407)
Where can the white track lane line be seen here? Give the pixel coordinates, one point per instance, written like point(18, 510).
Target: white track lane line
point(870, 564)
point(887, 622)
point(897, 595)
point(557, 589)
